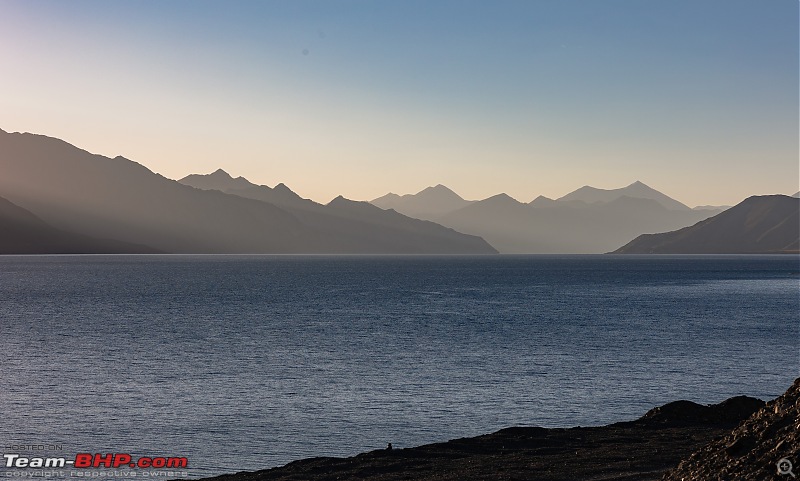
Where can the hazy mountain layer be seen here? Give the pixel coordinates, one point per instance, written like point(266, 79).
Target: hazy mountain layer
point(759, 224)
point(349, 223)
point(93, 195)
point(24, 233)
point(637, 190)
point(429, 204)
point(566, 226)
point(588, 220)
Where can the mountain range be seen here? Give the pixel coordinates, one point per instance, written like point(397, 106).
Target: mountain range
point(759, 224)
point(223, 182)
point(430, 204)
point(58, 198)
point(356, 223)
point(91, 195)
point(637, 190)
point(588, 220)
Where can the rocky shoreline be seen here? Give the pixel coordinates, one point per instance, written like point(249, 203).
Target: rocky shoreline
point(649, 448)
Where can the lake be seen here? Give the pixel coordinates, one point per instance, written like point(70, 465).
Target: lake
point(248, 362)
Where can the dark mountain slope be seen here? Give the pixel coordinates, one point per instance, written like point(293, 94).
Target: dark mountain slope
point(759, 224)
point(392, 226)
point(74, 190)
point(21, 232)
point(350, 226)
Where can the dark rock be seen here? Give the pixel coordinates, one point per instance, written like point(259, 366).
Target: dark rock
point(677, 412)
point(753, 449)
point(638, 450)
point(741, 446)
point(730, 411)
point(736, 408)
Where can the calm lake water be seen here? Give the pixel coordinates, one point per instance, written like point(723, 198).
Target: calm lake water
point(247, 362)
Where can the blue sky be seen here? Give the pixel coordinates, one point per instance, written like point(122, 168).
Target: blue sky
point(698, 99)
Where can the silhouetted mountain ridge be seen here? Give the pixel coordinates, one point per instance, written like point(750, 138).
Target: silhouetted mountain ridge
point(356, 220)
point(758, 224)
point(638, 190)
point(76, 191)
point(588, 220)
point(97, 196)
point(217, 180)
point(222, 181)
point(427, 204)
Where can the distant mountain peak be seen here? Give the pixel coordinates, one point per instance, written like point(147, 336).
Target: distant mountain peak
point(439, 190)
point(341, 201)
point(501, 198)
point(391, 196)
point(542, 201)
point(638, 186)
point(221, 173)
point(217, 180)
point(240, 186)
point(429, 204)
point(284, 192)
point(638, 189)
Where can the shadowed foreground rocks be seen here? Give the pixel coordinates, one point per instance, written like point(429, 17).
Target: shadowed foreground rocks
point(754, 448)
point(638, 450)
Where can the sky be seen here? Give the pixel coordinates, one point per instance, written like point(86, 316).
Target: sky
point(696, 98)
